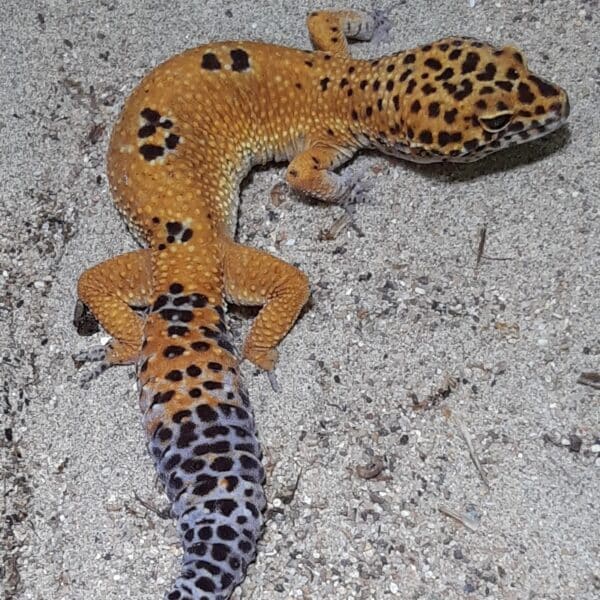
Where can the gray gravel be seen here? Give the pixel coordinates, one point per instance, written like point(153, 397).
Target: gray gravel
point(408, 356)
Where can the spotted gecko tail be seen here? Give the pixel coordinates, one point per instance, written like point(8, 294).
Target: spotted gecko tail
point(215, 483)
point(203, 439)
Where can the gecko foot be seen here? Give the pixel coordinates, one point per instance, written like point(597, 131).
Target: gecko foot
point(95, 354)
point(382, 25)
point(355, 187)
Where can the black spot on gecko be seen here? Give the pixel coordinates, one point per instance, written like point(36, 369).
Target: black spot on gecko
point(173, 228)
point(150, 115)
point(177, 330)
point(405, 75)
point(324, 83)
point(173, 351)
point(226, 346)
point(470, 63)
point(433, 63)
point(504, 85)
point(194, 371)
point(240, 59)
point(445, 74)
point(425, 137)
point(224, 506)
point(210, 62)
point(222, 464)
point(171, 141)
point(545, 88)
point(525, 94)
point(170, 314)
point(488, 73)
point(212, 385)
point(181, 415)
point(434, 109)
point(467, 88)
point(200, 346)
point(174, 375)
point(151, 151)
point(449, 87)
point(146, 131)
point(161, 301)
point(162, 397)
point(471, 144)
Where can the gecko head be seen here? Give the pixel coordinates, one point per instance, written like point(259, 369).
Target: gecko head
point(463, 99)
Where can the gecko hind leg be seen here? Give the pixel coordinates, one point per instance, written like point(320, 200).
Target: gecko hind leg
point(108, 295)
point(253, 277)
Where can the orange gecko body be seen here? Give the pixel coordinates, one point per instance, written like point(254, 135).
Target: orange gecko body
point(186, 137)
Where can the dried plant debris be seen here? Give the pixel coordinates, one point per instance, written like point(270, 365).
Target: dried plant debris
point(591, 378)
point(448, 385)
point(464, 518)
point(334, 230)
point(574, 443)
point(459, 422)
point(279, 193)
point(372, 469)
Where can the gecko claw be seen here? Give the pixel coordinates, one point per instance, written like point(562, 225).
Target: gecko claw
point(273, 381)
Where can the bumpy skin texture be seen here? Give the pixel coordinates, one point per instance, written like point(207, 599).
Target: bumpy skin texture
point(186, 137)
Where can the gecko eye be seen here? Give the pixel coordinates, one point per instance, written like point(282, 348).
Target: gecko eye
point(497, 123)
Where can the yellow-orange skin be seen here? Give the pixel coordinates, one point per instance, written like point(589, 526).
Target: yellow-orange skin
point(231, 105)
point(197, 123)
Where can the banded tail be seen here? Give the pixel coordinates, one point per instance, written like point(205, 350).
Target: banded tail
point(203, 440)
